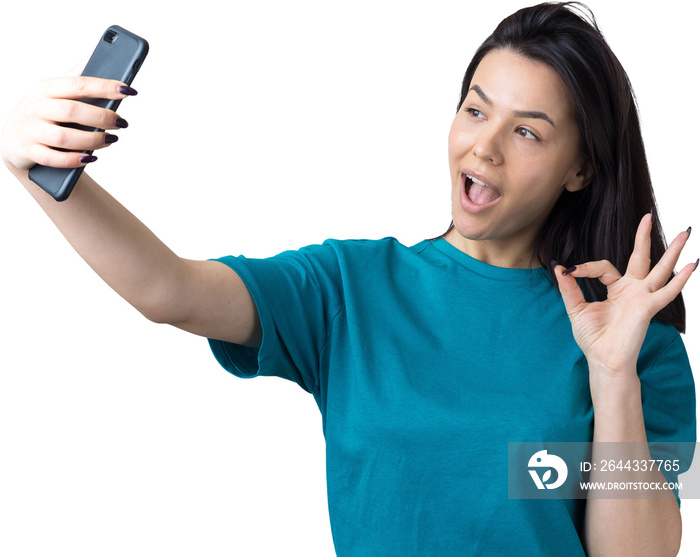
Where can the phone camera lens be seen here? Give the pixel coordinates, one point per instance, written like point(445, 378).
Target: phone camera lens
point(110, 36)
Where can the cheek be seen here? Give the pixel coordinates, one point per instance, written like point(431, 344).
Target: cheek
point(537, 189)
point(458, 141)
point(451, 144)
point(536, 172)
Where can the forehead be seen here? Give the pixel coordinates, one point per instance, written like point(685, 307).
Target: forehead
point(516, 83)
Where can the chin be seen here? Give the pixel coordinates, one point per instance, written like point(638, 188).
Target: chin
point(468, 230)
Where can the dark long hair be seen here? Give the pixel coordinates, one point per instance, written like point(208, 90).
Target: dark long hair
point(600, 221)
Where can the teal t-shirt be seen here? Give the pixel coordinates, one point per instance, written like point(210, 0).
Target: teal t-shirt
point(425, 363)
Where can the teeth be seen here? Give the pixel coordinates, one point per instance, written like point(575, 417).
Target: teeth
point(477, 181)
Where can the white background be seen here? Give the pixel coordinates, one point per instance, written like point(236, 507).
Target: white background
point(259, 126)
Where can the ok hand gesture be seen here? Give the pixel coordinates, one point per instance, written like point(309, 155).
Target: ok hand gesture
point(611, 332)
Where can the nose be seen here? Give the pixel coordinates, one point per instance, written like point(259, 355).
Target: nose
point(487, 146)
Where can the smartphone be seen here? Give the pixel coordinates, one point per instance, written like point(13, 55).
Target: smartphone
point(118, 55)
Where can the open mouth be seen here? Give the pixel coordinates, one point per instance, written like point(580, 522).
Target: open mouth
point(477, 195)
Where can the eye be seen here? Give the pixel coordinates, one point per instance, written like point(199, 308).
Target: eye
point(473, 112)
point(527, 134)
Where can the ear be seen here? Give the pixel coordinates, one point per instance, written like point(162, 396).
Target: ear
point(580, 177)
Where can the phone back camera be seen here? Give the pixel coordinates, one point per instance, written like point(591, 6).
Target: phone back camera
point(111, 36)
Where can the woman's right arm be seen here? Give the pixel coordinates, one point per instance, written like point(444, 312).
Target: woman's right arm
point(206, 298)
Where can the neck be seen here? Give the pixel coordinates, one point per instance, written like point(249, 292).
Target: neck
point(511, 253)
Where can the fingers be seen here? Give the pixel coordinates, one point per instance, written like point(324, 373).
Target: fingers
point(82, 87)
point(58, 100)
point(46, 156)
point(602, 270)
point(48, 131)
point(661, 293)
point(640, 260)
point(664, 296)
point(569, 289)
point(36, 131)
point(63, 137)
point(663, 269)
point(77, 112)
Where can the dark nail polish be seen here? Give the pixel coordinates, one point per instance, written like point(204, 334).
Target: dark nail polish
point(653, 216)
point(690, 229)
point(121, 123)
point(569, 270)
point(126, 90)
point(109, 138)
point(89, 158)
point(696, 265)
point(553, 264)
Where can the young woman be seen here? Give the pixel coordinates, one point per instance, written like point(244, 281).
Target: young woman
point(425, 361)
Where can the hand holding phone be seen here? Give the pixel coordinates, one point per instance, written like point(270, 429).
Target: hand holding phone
point(118, 55)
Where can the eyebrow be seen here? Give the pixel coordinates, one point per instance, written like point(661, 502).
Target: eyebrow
point(517, 113)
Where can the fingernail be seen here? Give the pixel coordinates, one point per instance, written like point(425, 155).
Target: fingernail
point(553, 264)
point(121, 123)
point(109, 138)
point(653, 216)
point(89, 158)
point(126, 90)
point(690, 229)
point(696, 264)
point(569, 270)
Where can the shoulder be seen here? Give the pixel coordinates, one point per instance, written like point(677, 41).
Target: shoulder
point(333, 260)
point(668, 387)
point(382, 245)
point(364, 251)
point(663, 348)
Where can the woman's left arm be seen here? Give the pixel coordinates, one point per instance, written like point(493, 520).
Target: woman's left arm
point(611, 334)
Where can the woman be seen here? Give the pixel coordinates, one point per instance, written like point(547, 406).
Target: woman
point(425, 361)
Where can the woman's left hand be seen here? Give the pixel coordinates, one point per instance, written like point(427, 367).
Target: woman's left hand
point(611, 332)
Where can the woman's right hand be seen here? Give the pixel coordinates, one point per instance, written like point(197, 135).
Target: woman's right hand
point(32, 132)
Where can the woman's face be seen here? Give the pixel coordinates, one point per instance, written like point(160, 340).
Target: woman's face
point(515, 133)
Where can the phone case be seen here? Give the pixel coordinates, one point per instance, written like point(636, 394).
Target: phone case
point(118, 55)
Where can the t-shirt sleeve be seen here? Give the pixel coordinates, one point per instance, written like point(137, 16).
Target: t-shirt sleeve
point(668, 398)
point(297, 295)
